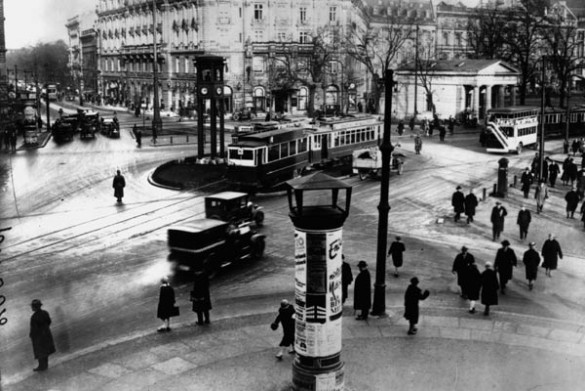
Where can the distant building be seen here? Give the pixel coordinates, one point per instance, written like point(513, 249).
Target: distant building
point(4, 99)
point(83, 53)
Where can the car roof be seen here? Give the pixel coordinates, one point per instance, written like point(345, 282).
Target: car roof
point(200, 225)
point(227, 195)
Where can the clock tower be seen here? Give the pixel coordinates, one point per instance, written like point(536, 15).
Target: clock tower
point(210, 90)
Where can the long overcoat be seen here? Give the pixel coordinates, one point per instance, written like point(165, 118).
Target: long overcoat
point(412, 296)
point(470, 204)
point(362, 292)
point(118, 184)
point(346, 279)
point(472, 282)
point(527, 179)
point(489, 287)
point(524, 218)
point(460, 266)
point(40, 334)
point(572, 171)
point(498, 217)
point(396, 250)
point(572, 199)
point(531, 261)
point(286, 316)
point(458, 202)
point(551, 252)
point(166, 302)
point(504, 264)
point(541, 194)
point(200, 293)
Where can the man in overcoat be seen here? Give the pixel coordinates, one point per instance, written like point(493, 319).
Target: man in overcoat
point(526, 179)
point(504, 264)
point(119, 184)
point(551, 252)
point(572, 171)
point(458, 203)
point(460, 266)
point(531, 260)
point(346, 279)
point(489, 288)
point(540, 194)
point(472, 285)
point(200, 297)
point(362, 293)
point(40, 335)
point(553, 172)
point(572, 199)
point(412, 296)
point(523, 221)
point(396, 250)
point(497, 218)
point(470, 205)
point(286, 317)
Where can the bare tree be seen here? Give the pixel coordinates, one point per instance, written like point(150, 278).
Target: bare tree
point(378, 47)
point(426, 64)
point(486, 33)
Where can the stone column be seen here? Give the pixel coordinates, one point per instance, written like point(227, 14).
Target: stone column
point(475, 108)
point(488, 98)
point(513, 94)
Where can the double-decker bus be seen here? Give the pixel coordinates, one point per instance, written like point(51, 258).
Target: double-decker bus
point(510, 129)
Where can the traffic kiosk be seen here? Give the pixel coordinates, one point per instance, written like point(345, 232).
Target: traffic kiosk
point(318, 225)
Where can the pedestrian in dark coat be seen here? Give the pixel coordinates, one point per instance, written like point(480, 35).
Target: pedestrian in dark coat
point(166, 305)
point(346, 279)
point(119, 184)
point(575, 146)
point(565, 174)
point(545, 169)
point(362, 293)
point(572, 171)
point(472, 285)
point(583, 214)
point(531, 261)
point(523, 221)
point(551, 252)
point(200, 297)
point(412, 296)
point(451, 125)
point(458, 202)
point(540, 194)
point(504, 264)
point(40, 335)
point(497, 218)
point(286, 317)
point(442, 133)
point(396, 250)
point(470, 205)
point(581, 183)
point(572, 199)
point(553, 172)
point(411, 124)
point(13, 140)
point(527, 179)
point(489, 288)
point(460, 266)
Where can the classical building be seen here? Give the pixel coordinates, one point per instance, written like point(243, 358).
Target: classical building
point(83, 52)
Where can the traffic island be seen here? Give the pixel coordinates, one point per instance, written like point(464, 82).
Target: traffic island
point(188, 173)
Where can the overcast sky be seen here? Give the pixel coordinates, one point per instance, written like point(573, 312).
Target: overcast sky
point(32, 21)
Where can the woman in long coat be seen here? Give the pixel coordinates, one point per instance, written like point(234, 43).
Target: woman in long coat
point(489, 288)
point(541, 194)
point(118, 184)
point(40, 334)
point(412, 296)
point(200, 297)
point(362, 292)
point(472, 285)
point(166, 305)
point(531, 261)
point(551, 252)
point(395, 251)
point(286, 316)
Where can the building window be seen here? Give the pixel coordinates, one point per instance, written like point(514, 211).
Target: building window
point(258, 11)
point(258, 35)
point(177, 66)
point(186, 65)
point(281, 37)
point(332, 14)
point(304, 37)
point(303, 11)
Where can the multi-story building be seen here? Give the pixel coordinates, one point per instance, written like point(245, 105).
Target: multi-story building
point(83, 52)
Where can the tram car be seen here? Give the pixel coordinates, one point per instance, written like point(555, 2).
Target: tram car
point(265, 159)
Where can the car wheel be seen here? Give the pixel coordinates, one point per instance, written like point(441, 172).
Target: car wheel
point(363, 175)
point(259, 218)
point(258, 248)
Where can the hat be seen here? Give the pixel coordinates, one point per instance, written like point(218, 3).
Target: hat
point(505, 243)
point(36, 303)
point(414, 280)
point(463, 249)
point(532, 244)
point(488, 265)
point(458, 188)
point(398, 238)
point(362, 264)
point(284, 303)
point(498, 203)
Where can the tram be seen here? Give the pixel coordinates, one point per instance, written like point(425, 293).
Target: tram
point(260, 160)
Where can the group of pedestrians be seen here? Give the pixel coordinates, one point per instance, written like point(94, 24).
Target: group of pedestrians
point(8, 138)
point(464, 204)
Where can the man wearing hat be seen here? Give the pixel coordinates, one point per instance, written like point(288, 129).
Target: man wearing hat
point(460, 266)
point(531, 261)
point(523, 221)
point(489, 288)
point(526, 179)
point(458, 202)
point(40, 334)
point(497, 218)
point(504, 264)
point(362, 294)
point(412, 296)
point(346, 278)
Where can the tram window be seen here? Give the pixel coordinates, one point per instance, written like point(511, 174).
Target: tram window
point(283, 150)
point(273, 153)
point(353, 136)
point(293, 148)
point(248, 154)
point(358, 136)
point(233, 154)
point(303, 145)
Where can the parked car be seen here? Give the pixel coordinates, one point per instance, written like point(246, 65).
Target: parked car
point(62, 130)
point(110, 128)
point(89, 125)
point(210, 245)
point(367, 162)
point(234, 207)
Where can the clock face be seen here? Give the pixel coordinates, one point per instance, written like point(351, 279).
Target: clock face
point(219, 90)
point(204, 91)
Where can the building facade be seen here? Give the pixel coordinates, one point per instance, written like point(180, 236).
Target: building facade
point(83, 53)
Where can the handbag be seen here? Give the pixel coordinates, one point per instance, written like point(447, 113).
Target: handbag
point(175, 311)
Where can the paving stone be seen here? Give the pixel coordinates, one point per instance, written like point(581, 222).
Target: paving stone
point(440, 321)
point(536, 331)
point(455, 333)
point(485, 335)
point(509, 327)
point(173, 349)
point(137, 360)
point(393, 331)
point(523, 340)
point(113, 371)
point(365, 332)
point(202, 357)
point(174, 366)
point(83, 381)
point(477, 324)
point(565, 335)
point(262, 335)
point(141, 380)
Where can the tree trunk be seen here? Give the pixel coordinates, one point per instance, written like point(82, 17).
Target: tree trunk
point(311, 103)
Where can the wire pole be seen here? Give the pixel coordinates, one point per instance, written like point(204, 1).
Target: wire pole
point(542, 117)
point(156, 121)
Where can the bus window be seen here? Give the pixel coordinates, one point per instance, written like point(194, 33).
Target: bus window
point(508, 131)
point(293, 148)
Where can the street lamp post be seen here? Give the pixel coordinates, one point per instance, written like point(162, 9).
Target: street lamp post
point(156, 121)
point(379, 305)
point(542, 117)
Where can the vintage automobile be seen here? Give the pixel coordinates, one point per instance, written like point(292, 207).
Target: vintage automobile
point(210, 245)
point(62, 130)
point(110, 127)
point(89, 125)
point(367, 162)
point(234, 207)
